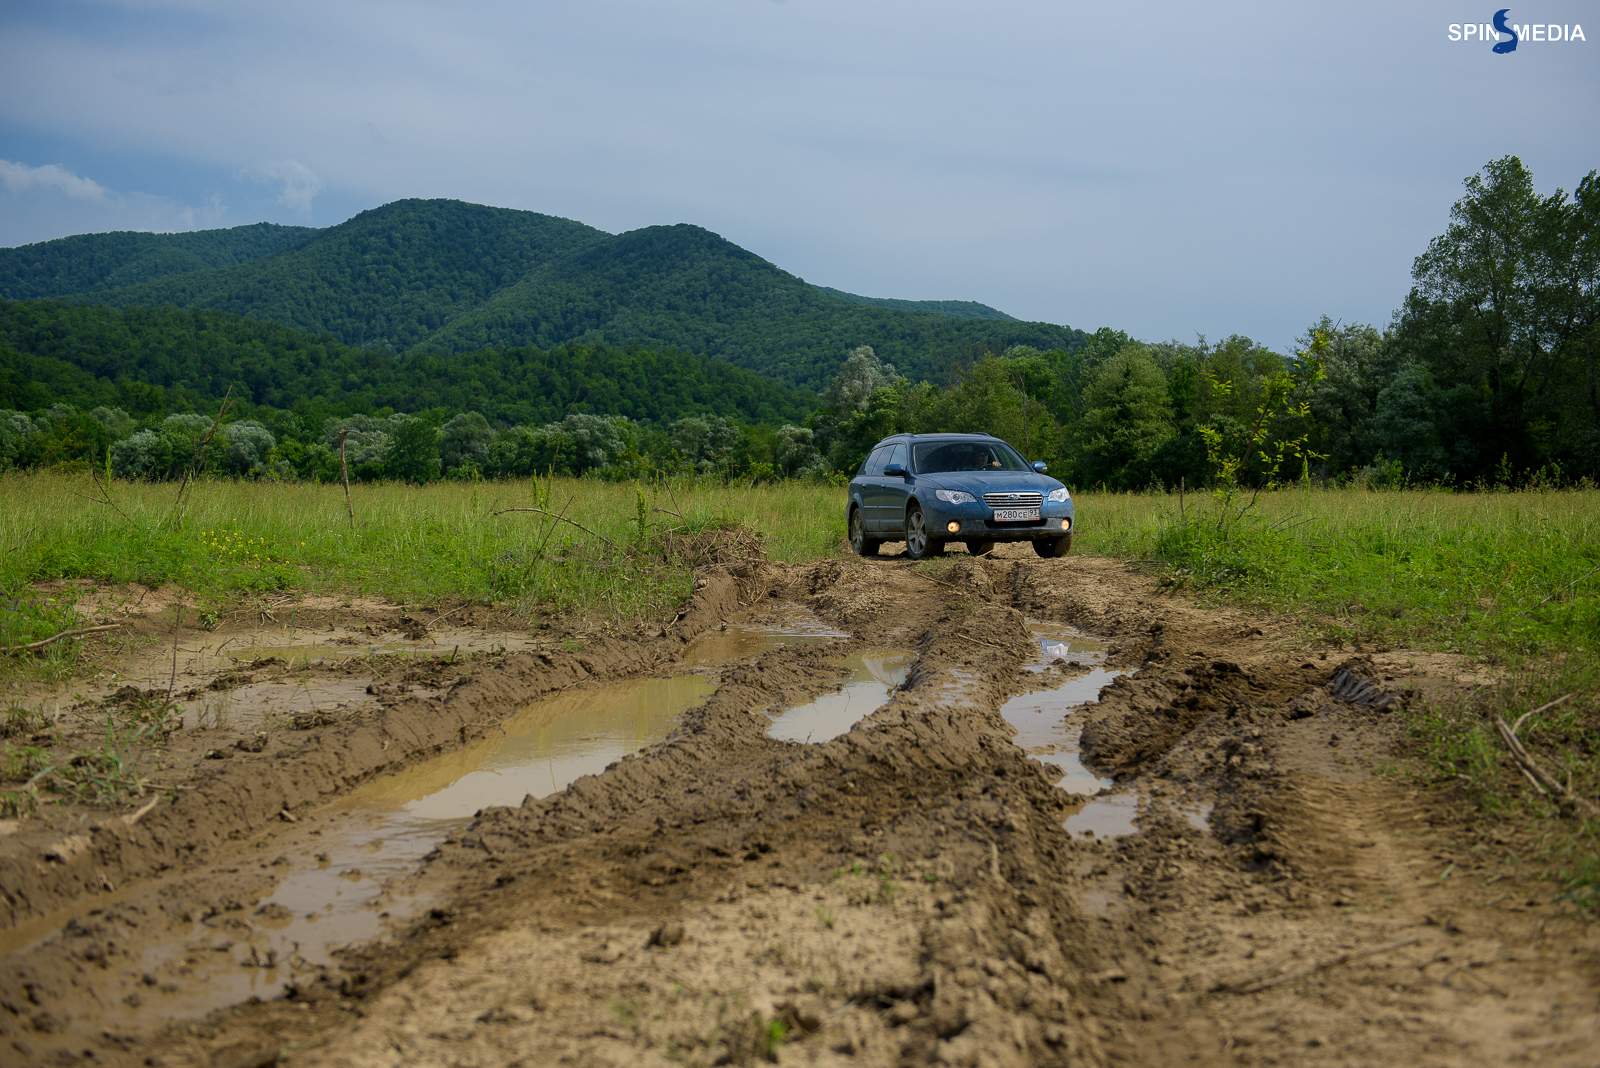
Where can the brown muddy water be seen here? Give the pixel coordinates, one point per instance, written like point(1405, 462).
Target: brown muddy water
point(1046, 731)
point(1057, 641)
point(873, 676)
point(740, 641)
point(339, 882)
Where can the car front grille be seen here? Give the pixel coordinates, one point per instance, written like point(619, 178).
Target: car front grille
point(1013, 500)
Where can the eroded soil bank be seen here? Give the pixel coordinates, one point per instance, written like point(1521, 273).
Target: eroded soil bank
point(914, 891)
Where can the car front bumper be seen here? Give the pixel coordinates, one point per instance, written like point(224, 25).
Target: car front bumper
point(975, 522)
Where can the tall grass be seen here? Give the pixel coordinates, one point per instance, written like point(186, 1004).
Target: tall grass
point(1498, 574)
point(411, 544)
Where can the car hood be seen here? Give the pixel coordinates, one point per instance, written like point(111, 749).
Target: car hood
point(978, 483)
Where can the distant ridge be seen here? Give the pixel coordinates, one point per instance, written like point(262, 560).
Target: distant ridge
point(441, 276)
point(955, 309)
point(92, 263)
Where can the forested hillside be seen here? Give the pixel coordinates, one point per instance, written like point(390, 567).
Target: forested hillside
point(389, 277)
point(154, 361)
point(92, 263)
point(447, 277)
point(955, 309)
point(685, 287)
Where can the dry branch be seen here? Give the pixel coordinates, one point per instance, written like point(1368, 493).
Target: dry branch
point(1546, 783)
point(1569, 585)
point(1344, 958)
point(40, 644)
point(562, 519)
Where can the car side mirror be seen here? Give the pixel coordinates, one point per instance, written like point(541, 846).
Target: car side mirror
point(1039, 466)
point(895, 471)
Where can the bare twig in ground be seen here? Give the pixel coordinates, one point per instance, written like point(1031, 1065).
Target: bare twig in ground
point(176, 631)
point(1255, 985)
point(980, 641)
point(1543, 781)
point(344, 472)
point(134, 817)
point(41, 643)
point(564, 519)
point(1571, 584)
point(104, 488)
point(1542, 708)
point(668, 511)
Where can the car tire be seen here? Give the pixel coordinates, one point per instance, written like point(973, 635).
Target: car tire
point(919, 546)
point(1052, 547)
point(859, 542)
point(980, 548)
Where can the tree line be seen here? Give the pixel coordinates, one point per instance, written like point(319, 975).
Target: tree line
point(1489, 373)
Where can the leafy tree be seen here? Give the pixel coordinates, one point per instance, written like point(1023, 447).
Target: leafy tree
point(1505, 302)
point(1127, 416)
point(247, 448)
point(796, 450)
point(464, 441)
point(413, 451)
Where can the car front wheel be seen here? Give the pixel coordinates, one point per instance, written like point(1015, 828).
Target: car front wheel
point(918, 545)
point(859, 542)
point(1049, 547)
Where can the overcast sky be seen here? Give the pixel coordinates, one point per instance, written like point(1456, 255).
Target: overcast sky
point(1168, 169)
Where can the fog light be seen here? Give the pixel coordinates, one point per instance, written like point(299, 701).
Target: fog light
point(1066, 524)
point(952, 526)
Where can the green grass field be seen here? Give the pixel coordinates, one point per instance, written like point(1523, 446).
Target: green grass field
point(1493, 574)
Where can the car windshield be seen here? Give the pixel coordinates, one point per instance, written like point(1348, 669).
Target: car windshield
point(935, 456)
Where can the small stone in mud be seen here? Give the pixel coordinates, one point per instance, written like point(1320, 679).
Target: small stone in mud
point(606, 953)
point(252, 745)
point(214, 754)
point(668, 934)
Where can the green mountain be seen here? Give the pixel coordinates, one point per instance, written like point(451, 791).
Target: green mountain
point(92, 263)
point(149, 361)
point(388, 277)
point(440, 276)
point(955, 309)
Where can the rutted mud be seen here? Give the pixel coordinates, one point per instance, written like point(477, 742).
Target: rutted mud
point(874, 674)
point(916, 890)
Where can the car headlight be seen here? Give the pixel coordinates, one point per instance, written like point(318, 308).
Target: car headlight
point(955, 496)
point(1059, 495)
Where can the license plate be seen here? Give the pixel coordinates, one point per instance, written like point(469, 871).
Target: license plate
point(1012, 515)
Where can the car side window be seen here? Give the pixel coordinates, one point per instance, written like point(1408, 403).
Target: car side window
point(896, 456)
point(873, 464)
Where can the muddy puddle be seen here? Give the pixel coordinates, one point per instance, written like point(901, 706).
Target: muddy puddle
point(269, 704)
point(338, 882)
point(1045, 732)
point(1057, 641)
point(873, 675)
point(739, 641)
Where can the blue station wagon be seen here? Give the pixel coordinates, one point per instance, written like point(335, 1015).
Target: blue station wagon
point(930, 489)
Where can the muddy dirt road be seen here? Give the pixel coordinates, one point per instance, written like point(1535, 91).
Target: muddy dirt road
point(854, 812)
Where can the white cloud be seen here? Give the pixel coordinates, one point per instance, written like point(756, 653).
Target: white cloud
point(19, 177)
point(300, 183)
point(41, 202)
